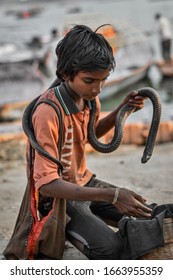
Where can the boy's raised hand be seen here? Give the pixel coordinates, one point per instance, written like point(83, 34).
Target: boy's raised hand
point(134, 100)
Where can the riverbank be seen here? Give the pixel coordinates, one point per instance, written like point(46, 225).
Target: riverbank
point(123, 168)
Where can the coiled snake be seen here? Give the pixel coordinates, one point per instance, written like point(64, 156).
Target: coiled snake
point(125, 111)
point(122, 115)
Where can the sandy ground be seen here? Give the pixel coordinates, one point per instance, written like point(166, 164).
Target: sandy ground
point(123, 168)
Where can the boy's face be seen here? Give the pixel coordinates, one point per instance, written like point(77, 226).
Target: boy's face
point(88, 85)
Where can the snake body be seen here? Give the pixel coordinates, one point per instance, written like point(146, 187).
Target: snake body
point(29, 131)
point(122, 115)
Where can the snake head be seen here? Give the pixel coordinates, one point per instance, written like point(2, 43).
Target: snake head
point(146, 157)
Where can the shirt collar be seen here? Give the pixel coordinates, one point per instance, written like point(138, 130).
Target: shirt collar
point(68, 100)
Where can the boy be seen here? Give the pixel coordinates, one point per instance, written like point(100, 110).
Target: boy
point(84, 62)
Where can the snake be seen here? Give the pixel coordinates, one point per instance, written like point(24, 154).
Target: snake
point(120, 119)
point(29, 131)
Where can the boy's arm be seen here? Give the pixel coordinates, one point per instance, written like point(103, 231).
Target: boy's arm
point(128, 202)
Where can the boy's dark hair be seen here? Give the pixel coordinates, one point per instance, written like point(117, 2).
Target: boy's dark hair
point(83, 50)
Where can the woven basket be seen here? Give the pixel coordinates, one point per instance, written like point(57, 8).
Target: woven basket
point(165, 252)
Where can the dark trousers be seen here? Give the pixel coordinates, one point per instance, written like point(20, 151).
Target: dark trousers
point(166, 50)
point(87, 225)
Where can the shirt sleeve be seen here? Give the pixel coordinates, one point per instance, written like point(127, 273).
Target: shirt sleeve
point(46, 129)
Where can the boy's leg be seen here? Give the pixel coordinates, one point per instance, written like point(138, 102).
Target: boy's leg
point(107, 212)
point(90, 234)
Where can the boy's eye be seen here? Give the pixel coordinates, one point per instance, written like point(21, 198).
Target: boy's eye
point(88, 81)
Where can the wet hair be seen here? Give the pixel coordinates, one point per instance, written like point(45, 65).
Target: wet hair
point(83, 50)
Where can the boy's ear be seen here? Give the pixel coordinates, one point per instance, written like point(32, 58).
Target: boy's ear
point(65, 77)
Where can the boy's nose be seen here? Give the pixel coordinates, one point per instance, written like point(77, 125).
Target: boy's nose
point(97, 88)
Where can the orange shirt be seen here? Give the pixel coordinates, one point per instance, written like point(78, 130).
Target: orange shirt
point(75, 136)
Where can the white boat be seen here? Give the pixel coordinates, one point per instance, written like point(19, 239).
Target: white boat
point(114, 85)
point(133, 58)
point(11, 53)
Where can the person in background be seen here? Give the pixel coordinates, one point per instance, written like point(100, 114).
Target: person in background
point(37, 42)
point(52, 37)
point(165, 33)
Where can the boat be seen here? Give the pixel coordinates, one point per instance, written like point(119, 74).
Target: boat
point(28, 13)
point(24, 74)
point(115, 85)
point(24, 13)
point(15, 96)
point(12, 53)
point(133, 56)
point(131, 49)
point(166, 69)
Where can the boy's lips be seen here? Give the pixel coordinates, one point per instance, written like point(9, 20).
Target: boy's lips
point(93, 96)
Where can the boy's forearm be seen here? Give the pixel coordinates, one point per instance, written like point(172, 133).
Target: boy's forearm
point(63, 189)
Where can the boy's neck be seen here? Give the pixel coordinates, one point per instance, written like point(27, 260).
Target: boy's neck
point(80, 103)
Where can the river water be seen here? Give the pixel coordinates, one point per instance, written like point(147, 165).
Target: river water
point(54, 14)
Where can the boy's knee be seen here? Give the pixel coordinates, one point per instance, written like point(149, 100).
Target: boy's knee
point(106, 251)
